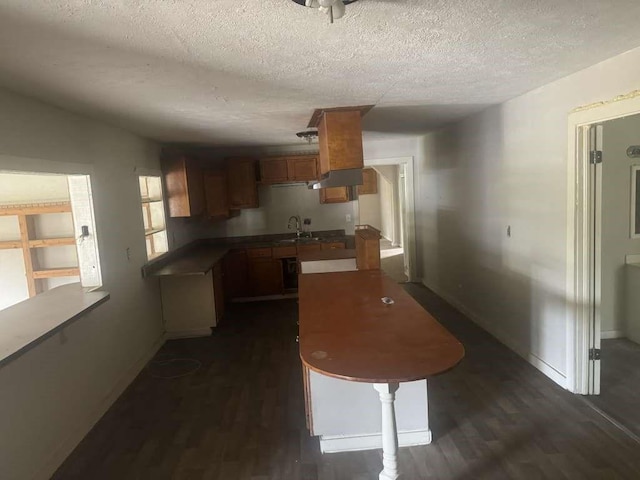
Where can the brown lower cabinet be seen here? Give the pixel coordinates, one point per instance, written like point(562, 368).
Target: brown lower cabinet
point(218, 291)
point(333, 246)
point(235, 274)
point(265, 277)
point(257, 272)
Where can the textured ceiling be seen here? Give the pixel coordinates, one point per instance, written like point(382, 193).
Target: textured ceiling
point(242, 72)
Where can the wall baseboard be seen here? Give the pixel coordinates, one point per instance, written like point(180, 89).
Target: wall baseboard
point(195, 332)
point(606, 335)
point(503, 338)
point(83, 427)
point(354, 443)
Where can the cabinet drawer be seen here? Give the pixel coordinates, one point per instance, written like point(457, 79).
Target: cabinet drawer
point(259, 253)
point(333, 245)
point(309, 248)
point(285, 252)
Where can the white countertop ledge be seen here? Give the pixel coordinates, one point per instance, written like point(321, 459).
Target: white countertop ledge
point(26, 324)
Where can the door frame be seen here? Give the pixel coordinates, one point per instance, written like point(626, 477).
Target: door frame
point(409, 220)
point(582, 297)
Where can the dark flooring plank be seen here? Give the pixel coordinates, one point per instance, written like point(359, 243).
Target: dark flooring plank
point(619, 379)
point(240, 416)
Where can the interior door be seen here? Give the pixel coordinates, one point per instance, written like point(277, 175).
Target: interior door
point(402, 193)
point(595, 227)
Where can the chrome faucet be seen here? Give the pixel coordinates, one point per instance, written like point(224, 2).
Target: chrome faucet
point(298, 223)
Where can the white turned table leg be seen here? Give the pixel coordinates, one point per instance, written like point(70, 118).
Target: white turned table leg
point(387, 392)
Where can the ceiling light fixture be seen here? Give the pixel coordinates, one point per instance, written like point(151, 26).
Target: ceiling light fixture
point(308, 135)
point(334, 8)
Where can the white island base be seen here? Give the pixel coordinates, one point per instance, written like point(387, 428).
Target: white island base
point(346, 415)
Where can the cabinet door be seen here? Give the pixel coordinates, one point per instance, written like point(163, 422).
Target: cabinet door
point(340, 140)
point(302, 169)
point(215, 189)
point(335, 195)
point(369, 182)
point(314, 247)
point(265, 277)
point(333, 246)
point(241, 183)
point(273, 170)
point(218, 291)
point(235, 274)
point(185, 187)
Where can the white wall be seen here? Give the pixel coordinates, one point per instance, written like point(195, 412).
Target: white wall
point(277, 205)
point(385, 187)
point(616, 210)
point(51, 395)
point(389, 178)
point(369, 208)
point(507, 166)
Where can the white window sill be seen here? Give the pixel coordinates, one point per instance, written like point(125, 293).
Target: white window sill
point(28, 323)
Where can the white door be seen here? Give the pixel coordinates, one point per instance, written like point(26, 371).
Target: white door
point(595, 227)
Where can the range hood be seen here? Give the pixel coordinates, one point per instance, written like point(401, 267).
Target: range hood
point(340, 146)
point(339, 178)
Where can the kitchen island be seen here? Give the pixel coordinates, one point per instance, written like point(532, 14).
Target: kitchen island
point(348, 333)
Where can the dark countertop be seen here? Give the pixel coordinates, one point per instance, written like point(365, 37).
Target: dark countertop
point(196, 261)
point(198, 257)
point(347, 332)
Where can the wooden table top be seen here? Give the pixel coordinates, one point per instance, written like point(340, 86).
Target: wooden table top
point(347, 332)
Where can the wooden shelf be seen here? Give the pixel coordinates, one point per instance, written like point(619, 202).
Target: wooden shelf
point(150, 200)
point(9, 244)
point(56, 272)
point(51, 242)
point(26, 214)
point(152, 231)
point(35, 209)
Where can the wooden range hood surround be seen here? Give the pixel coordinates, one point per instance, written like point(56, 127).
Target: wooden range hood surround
point(339, 137)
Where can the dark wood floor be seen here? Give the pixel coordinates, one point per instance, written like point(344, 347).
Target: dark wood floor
point(240, 415)
point(620, 383)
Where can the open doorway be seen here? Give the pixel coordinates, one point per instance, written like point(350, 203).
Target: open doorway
point(605, 274)
point(615, 174)
point(381, 204)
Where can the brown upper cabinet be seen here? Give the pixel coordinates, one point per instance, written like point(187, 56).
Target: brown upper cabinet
point(369, 182)
point(216, 195)
point(274, 170)
point(185, 187)
point(340, 140)
point(335, 195)
point(242, 186)
point(301, 168)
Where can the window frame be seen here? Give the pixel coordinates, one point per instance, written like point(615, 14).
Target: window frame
point(147, 215)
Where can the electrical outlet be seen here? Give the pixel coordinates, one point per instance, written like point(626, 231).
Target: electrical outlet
point(348, 217)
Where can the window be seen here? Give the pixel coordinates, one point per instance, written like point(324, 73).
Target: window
point(47, 234)
point(155, 229)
